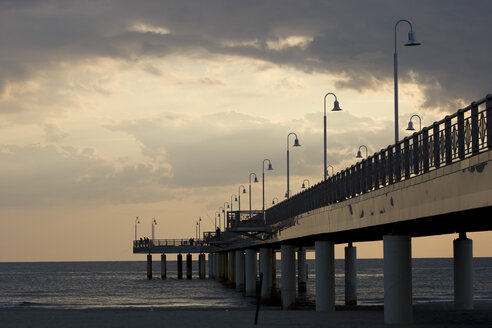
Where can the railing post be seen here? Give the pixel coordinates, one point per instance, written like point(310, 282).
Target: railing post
point(416, 152)
point(363, 176)
point(358, 170)
point(397, 164)
point(383, 167)
point(376, 168)
point(406, 157)
point(390, 160)
point(461, 134)
point(369, 174)
point(447, 136)
point(474, 128)
point(437, 139)
point(425, 149)
point(488, 114)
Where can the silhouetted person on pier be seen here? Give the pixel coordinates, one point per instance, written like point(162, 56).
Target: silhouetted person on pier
point(217, 233)
point(191, 241)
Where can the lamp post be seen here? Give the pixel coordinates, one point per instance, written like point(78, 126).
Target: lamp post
point(273, 200)
point(255, 181)
point(296, 144)
point(199, 224)
point(332, 169)
point(303, 185)
point(336, 108)
point(411, 42)
point(235, 200)
point(239, 198)
point(137, 221)
point(217, 214)
point(220, 208)
point(410, 124)
point(154, 223)
point(196, 230)
point(224, 210)
point(263, 183)
point(359, 155)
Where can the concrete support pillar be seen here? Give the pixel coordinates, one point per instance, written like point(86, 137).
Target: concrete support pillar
point(288, 267)
point(325, 275)
point(210, 264)
point(266, 269)
point(231, 268)
point(274, 269)
point(189, 266)
point(201, 266)
point(250, 272)
point(224, 266)
point(239, 271)
point(149, 266)
point(180, 266)
point(163, 267)
point(463, 273)
point(350, 275)
point(397, 279)
point(301, 270)
point(217, 266)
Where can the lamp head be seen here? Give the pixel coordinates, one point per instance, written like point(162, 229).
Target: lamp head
point(286, 195)
point(411, 40)
point(410, 126)
point(256, 179)
point(270, 167)
point(296, 143)
point(235, 199)
point(336, 107)
point(359, 155)
point(273, 202)
point(303, 185)
point(244, 190)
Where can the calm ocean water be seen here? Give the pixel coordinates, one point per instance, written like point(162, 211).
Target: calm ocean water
point(79, 285)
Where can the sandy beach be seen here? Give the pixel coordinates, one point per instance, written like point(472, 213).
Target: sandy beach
point(424, 316)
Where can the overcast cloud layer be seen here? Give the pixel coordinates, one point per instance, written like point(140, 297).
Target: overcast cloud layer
point(350, 41)
point(351, 38)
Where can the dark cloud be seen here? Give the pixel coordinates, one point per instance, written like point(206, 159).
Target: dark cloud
point(354, 39)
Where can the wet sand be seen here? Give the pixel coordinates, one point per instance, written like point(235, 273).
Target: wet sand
point(424, 316)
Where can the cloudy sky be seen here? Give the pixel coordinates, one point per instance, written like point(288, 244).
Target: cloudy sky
point(115, 109)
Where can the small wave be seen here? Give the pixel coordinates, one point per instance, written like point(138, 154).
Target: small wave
point(14, 304)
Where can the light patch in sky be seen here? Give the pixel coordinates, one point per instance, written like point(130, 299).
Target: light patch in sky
point(288, 42)
point(144, 28)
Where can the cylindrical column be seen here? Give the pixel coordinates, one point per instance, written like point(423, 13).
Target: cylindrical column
point(180, 266)
point(189, 267)
point(463, 273)
point(288, 267)
point(274, 269)
point(231, 268)
point(163, 266)
point(350, 275)
point(397, 279)
point(149, 266)
point(224, 266)
point(201, 266)
point(266, 269)
point(239, 271)
point(301, 270)
point(217, 266)
point(210, 265)
point(250, 272)
point(325, 275)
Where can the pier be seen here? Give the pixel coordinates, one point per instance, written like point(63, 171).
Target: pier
point(436, 181)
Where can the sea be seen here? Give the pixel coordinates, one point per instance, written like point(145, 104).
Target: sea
point(116, 285)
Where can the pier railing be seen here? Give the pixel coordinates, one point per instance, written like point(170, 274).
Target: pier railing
point(456, 137)
point(149, 243)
